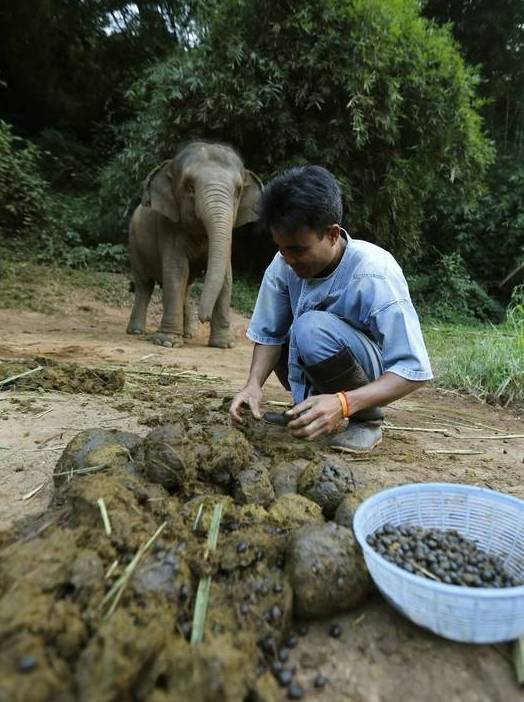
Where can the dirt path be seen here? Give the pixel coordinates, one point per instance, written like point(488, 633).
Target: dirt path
point(380, 656)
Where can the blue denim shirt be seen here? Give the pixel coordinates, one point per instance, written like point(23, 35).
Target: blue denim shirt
point(367, 290)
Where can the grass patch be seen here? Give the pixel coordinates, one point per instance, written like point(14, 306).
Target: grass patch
point(485, 361)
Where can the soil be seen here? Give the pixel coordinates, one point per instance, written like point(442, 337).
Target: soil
point(56, 554)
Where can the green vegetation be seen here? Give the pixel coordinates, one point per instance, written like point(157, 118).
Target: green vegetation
point(371, 90)
point(484, 361)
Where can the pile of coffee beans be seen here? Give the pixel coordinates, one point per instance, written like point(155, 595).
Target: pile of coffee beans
point(441, 555)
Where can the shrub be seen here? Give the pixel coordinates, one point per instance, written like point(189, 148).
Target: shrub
point(24, 197)
point(445, 291)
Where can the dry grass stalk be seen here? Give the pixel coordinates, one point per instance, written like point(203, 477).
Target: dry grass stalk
point(440, 430)
point(197, 518)
point(426, 572)
point(202, 597)
point(6, 381)
point(43, 414)
point(277, 403)
point(494, 436)
point(34, 492)
point(111, 569)
point(343, 449)
point(115, 593)
point(105, 516)
point(458, 452)
point(4, 447)
point(73, 472)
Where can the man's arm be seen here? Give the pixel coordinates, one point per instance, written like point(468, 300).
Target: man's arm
point(320, 414)
point(263, 362)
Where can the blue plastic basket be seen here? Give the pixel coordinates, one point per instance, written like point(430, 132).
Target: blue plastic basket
point(495, 521)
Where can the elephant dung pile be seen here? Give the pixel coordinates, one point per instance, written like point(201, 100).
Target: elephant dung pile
point(48, 375)
point(97, 598)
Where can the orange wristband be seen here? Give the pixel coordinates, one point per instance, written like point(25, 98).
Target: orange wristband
point(344, 407)
point(348, 403)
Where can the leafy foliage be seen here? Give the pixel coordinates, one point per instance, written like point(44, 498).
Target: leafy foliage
point(446, 291)
point(369, 89)
point(24, 195)
point(490, 236)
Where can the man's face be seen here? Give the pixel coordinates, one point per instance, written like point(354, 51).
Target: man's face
point(305, 252)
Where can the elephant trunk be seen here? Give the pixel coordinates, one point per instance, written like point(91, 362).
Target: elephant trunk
point(217, 216)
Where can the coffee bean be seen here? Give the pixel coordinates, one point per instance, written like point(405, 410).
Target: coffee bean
point(302, 629)
point(27, 663)
point(335, 630)
point(241, 547)
point(295, 691)
point(284, 677)
point(320, 680)
point(292, 641)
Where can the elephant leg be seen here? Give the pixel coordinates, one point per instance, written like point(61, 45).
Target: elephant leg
point(189, 315)
point(174, 284)
point(143, 292)
point(221, 319)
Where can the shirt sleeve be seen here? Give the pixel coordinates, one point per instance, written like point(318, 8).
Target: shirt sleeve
point(393, 322)
point(272, 316)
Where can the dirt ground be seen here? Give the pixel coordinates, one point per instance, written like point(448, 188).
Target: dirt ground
point(380, 656)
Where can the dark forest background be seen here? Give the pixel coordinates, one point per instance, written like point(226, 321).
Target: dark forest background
point(417, 107)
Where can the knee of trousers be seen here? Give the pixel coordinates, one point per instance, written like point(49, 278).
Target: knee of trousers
point(314, 336)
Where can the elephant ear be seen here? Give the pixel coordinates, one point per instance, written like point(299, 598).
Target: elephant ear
point(158, 192)
point(248, 207)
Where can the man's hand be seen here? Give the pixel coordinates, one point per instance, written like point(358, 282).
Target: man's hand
point(319, 415)
point(251, 396)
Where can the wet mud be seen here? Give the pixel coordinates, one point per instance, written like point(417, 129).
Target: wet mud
point(88, 613)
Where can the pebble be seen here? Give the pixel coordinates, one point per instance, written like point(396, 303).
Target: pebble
point(320, 681)
point(241, 547)
point(445, 554)
point(295, 691)
point(302, 629)
point(27, 663)
point(335, 630)
point(283, 655)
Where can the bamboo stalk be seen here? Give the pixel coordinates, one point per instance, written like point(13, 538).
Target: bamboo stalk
point(518, 659)
point(115, 593)
point(105, 517)
point(20, 375)
point(202, 597)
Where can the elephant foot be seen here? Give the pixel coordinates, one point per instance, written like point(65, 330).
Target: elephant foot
point(134, 330)
point(221, 342)
point(167, 340)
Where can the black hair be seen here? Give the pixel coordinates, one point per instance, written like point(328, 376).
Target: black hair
point(307, 196)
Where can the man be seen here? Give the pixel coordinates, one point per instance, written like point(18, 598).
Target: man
point(333, 318)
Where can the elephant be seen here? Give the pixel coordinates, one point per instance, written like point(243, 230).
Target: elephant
point(190, 205)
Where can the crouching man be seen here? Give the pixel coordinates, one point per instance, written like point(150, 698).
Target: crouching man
point(333, 318)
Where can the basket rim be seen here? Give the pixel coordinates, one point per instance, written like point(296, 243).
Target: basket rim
point(484, 593)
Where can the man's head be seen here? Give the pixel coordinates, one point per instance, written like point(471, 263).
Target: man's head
point(302, 208)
